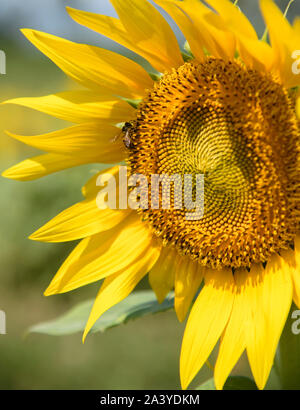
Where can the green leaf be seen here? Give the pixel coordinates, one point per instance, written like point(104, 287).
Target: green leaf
point(132, 102)
point(232, 383)
point(208, 385)
point(239, 383)
point(136, 305)
point(288, 353)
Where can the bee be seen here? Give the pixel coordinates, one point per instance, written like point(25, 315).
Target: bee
point(127, 130)
point(127, 133)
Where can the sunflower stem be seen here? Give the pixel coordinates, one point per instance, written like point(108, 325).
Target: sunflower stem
point(287, 7)
point(287, 359)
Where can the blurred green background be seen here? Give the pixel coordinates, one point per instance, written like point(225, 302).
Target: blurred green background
point(143, 354)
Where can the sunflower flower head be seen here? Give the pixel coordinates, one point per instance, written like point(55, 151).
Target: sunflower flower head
point(229, 110)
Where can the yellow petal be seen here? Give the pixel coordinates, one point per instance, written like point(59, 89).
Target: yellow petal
point(284, 40)
point(141, 28)
point(296, 25)
point(255, 53)
point(206, 322)
point(84, 139)
point(269, 299)
point(79, 106)
point(211, 29)
point(188, 277)
point(42, 165)
point(161, 276)
point(93, 67)
point(91, 188)
point(79, 221)
point(103, 255)
point(184, 22)
point(233, 17)
point(117, 287)
point(233, 340)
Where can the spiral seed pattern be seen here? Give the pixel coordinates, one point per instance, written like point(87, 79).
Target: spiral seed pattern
point(239, 129)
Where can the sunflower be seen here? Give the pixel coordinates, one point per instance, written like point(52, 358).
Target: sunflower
point(227, 108)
